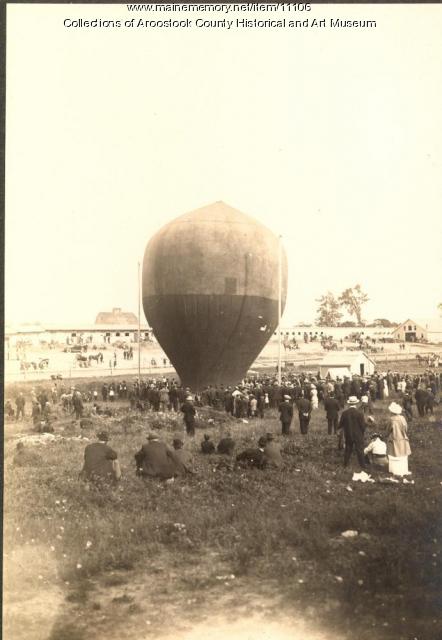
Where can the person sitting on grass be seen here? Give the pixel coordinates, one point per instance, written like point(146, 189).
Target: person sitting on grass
point(272, 451)
point(376, 451)
point(254, 457)
point(25, 458)
point(181, 457)
point(100, 461)
point(9, 409)
point(207, 446)
point(226, 445)
point(155, 459)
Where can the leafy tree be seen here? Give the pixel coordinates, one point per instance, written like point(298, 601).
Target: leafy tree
point(352, 300)
point(383, 322)
point(328, 310)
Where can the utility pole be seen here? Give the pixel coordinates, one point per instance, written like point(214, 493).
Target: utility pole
point(279, 307)
point(139, 321)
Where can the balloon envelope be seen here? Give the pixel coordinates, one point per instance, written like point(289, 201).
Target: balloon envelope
point(210, 293)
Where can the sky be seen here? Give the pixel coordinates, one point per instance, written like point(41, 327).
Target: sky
point(331, 138)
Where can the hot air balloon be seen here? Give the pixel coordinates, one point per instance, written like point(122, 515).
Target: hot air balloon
point(210, 292)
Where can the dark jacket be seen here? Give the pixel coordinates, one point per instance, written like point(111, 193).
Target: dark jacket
point(353, 424)
point(207, 446)
point(182, 460)
point(98, 458)
point(226, 446)
point(285, 412)
point(272, 452)
point(189, 412)
point(304, 406)
point(331, 406)
point(252, 458)
point(155, 459)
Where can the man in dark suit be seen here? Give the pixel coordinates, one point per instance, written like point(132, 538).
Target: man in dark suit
point(352, 423)
point(100, 461)
point(304, 413)
point(155, 460)
point(286, 414)
point(253, 457)
point(421, 397)
point(189, 415)
point(331, 406)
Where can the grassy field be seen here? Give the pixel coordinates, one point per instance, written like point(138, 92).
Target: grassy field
point(149, 559)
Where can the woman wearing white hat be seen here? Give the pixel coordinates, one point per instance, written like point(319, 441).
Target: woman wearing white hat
point(398, 446)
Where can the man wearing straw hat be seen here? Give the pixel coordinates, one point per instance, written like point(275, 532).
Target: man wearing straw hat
point(352, 423)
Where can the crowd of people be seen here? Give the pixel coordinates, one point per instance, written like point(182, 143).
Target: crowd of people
point(347, 405)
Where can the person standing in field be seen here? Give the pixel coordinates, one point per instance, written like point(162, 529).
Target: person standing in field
point(331, 406)
point(78, 404)
point(304, 413)
point(314, 397)
point(285, 415)
point(352, 423)
point(398, 445)
point(189, 412)
point(20, 403)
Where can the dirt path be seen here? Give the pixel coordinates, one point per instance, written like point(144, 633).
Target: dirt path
point(187, 602)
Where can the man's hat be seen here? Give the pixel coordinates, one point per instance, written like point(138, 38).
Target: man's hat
point(287, 398)
point(262, 441)
point(352, 400)
point(152, 436)
point(269, 436)
point(206, 436)
point(189, 398)
point(103, 435)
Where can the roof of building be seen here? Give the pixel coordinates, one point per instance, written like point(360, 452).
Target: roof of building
point(116, 316)
point(434, 325)
point(343, 358)
point(73, 328)
point(339, 372)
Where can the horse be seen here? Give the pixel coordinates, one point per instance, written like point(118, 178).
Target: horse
point(82, 360)
point(98, 357)
point(44, 363)
point(24, 365)
point(66, 401)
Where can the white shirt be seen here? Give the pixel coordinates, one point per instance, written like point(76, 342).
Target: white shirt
point(377, 446)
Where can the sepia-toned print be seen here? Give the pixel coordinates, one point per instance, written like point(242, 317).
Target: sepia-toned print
point(223, 322)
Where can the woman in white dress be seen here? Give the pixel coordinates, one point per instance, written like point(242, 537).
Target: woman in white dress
point(314, 397)
point(398, 446)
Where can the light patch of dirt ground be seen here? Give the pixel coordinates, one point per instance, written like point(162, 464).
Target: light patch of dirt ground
point(160, 602)
point(32, 595)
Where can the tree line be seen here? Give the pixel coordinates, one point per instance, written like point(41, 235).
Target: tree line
point(352, 300)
